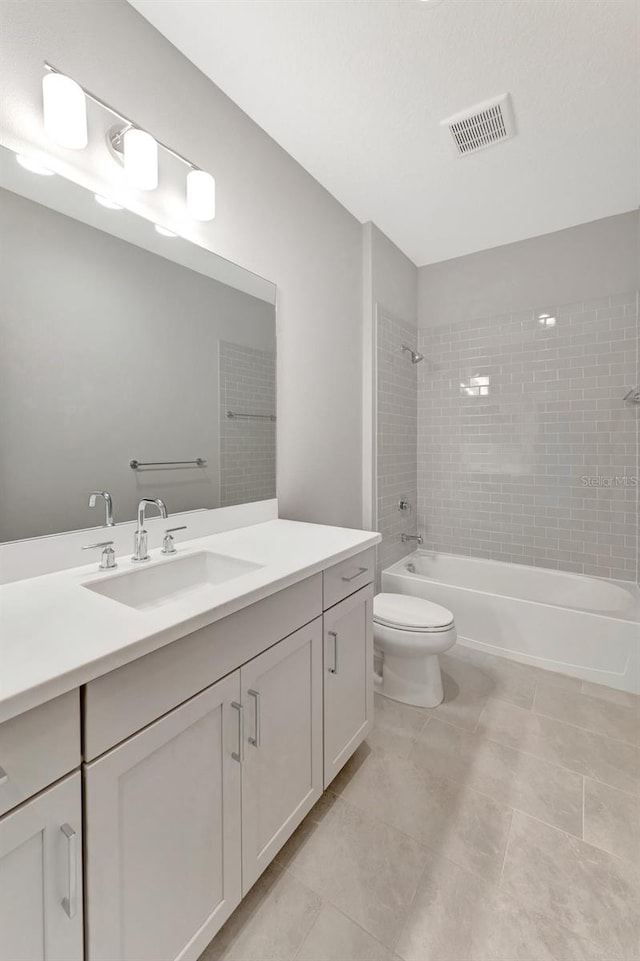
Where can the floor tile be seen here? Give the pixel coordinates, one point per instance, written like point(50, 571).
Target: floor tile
point(457, 917)
point(488, 675)
point(622, 698)
point(612, 820)
point(449, 818)
point(518, 780)
point(593, 755)
point(461, 706)
point(519, 934)
point(270, 924)
point(590, 713)
point(334, 937)
point(515, 677)
point(367, 869)
point(449, 909)
point(575, 885)
point(395, 726)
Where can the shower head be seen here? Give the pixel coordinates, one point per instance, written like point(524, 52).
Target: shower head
point(415, 356)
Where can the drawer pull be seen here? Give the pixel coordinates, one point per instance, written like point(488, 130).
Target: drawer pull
point(239, 757)
point(70, 903)
point(258, 736)
point(334, 669)
point(358, 573)
point(4, 777)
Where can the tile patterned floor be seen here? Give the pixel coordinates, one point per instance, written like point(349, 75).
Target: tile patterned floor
point(502, 826)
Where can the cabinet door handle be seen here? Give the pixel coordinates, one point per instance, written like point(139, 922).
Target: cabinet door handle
point(258, 736)
point(4, 777)
point(239, 757)
point(334, 635)
point(70, 903)
point(361, 570)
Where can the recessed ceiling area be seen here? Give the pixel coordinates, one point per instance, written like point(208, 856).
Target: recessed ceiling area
point(355, 91)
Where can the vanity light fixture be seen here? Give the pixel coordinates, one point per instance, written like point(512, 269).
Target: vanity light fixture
point(201, 195)
point(164, 232)
point(34, 166)
point(107, 202)
point(66, 122)
point(65, 111)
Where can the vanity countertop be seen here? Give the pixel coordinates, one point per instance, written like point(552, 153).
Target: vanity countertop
point(57, 635)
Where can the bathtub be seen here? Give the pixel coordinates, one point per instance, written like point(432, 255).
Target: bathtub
point(582, 626)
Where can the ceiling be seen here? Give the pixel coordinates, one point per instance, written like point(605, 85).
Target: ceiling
point(355, 91)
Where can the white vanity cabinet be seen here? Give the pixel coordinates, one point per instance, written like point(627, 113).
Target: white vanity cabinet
point(41, 877)
point(163, 849)
point(348, 678)
point(199, 760)
point(282, 773)
point(41, 916)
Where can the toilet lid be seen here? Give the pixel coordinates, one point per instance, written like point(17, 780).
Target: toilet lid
point(410, 613)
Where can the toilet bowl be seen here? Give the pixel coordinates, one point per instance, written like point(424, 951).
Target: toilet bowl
point(409, 633)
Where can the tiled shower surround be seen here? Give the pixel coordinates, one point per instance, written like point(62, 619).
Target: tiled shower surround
point(543, 468)
point(247, 446)
point(397, 436)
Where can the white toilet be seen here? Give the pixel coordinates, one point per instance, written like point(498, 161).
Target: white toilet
point(409, 633)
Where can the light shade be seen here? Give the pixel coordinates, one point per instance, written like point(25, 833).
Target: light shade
point(201, 195)
point(140, 159)
point(65, 111)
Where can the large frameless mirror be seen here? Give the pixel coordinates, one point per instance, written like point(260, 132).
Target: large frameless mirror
point(131, 361)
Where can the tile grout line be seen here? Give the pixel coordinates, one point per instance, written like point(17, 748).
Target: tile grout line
point(537, 757)
point(506, 847)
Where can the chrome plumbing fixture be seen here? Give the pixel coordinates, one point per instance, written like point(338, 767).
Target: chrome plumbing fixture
point(633, 397)
point(404, 506)
point(108, 505)
point(406, 538)
point(140, 538)
point(415, 356)
point(108, 558)
point(168, 543)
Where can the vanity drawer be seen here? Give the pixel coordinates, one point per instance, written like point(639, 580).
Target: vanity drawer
point(124, 701)
point(38, 747)
point(348, 576)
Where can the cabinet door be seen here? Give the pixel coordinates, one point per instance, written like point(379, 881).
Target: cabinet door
point(282, 769)
point(348, 679)
point(41, 877)
point(163, 833)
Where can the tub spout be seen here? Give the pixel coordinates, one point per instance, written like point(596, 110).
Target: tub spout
point(405, 538)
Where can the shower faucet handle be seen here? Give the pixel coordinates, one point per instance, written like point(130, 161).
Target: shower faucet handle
point(404, 506)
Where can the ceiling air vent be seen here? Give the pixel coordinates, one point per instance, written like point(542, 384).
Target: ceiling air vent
point(482, 125)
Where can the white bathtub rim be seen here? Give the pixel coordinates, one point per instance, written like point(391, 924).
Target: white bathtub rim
point(399, 568)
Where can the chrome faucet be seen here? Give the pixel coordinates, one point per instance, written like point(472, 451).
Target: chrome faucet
point(140, 549)
point(412, 537)
point(108, 505)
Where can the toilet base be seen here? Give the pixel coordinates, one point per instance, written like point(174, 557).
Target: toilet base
point(414, 680)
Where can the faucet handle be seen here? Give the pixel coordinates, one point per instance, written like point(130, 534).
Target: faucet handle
point(108, 559)
point(168, 543)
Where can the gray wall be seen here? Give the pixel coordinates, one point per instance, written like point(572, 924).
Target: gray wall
point(272, 218)
point(109, 353)
point(578, 264)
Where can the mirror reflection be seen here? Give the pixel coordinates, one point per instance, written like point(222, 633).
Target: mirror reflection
point(132, 362)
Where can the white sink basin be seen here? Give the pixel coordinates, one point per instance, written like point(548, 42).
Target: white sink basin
point(147, 588)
